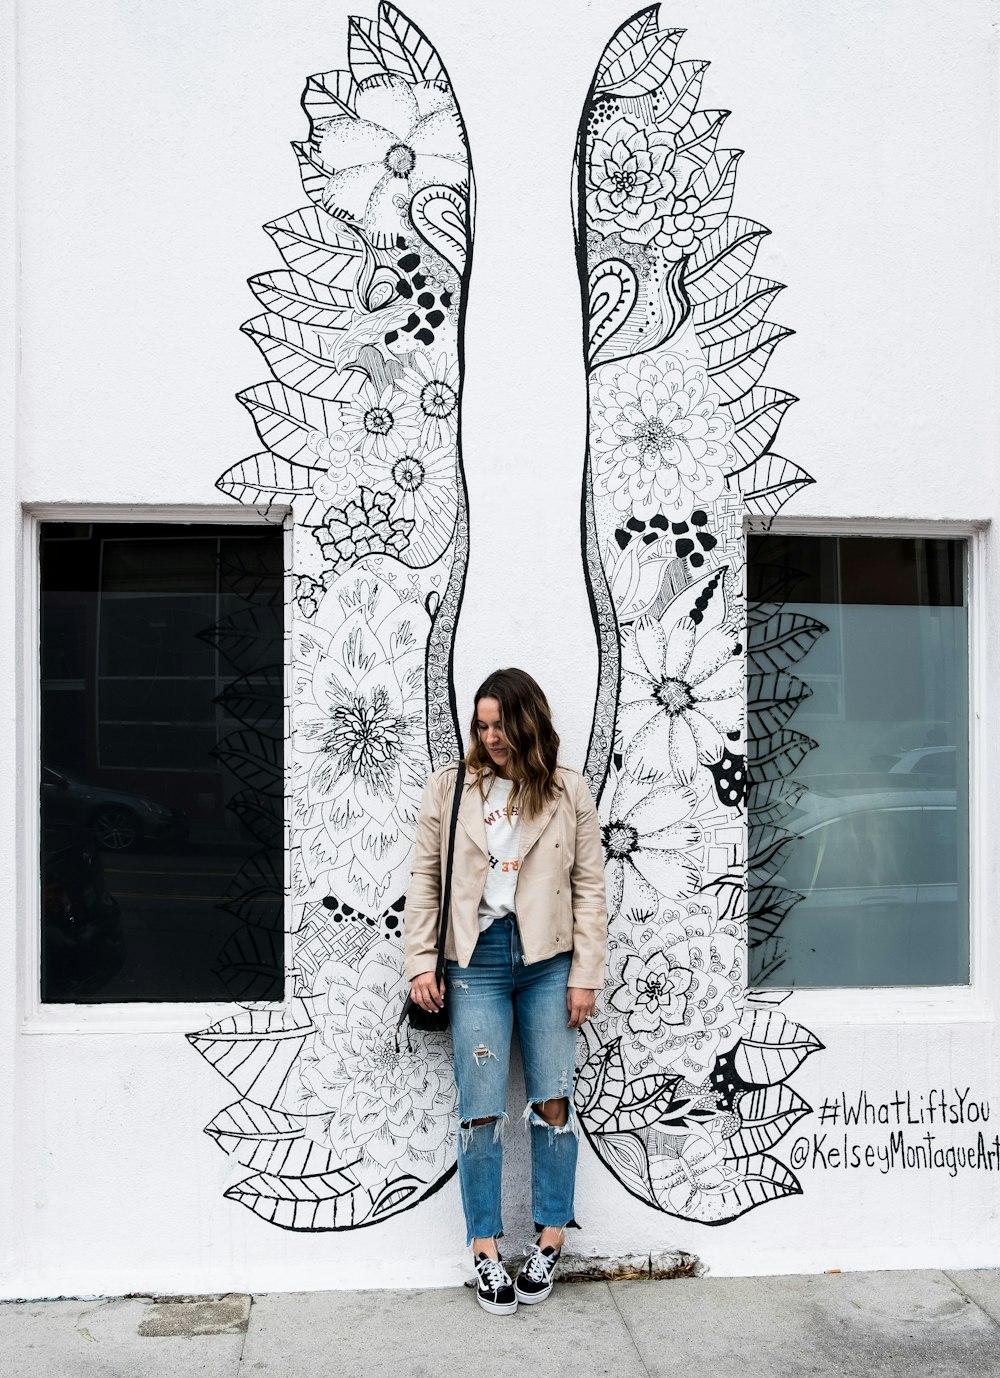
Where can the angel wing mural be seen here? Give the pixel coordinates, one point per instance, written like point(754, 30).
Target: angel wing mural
point(684, 1091)
point(358, 421)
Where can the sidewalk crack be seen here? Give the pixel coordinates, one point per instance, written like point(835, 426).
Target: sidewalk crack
point(239, 1361)
point(628, 1332)
point(959, 1288)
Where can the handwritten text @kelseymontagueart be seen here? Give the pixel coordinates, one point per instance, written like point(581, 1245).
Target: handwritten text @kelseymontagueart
point(904, 1113)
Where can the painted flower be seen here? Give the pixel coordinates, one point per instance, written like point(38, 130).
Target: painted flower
point(648, 839)
point(628, 173)
point(389, 1106)
point(679, 988)
point(404, 137)
point(652, 992)
point(367, 525)
point(683, 688)
point(308, 592)
point(689, 1174)
point(422, 487)
point(379, 421)
point(359, 755)
point(659, 436)
point(434, 389)
point(678, 227)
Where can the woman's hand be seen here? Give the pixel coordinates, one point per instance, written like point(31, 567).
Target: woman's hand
point(426, 992)
point(581, 1005)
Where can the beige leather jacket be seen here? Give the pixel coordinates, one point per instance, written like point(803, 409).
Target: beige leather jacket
point(561, 896)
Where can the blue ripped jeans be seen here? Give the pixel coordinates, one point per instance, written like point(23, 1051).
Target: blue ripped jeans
point(483, 1000)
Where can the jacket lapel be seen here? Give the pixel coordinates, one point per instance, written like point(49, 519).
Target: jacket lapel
point(470, 816)
point(532, 828)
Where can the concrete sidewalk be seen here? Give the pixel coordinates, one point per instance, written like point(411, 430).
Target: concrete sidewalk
point(851, 1325)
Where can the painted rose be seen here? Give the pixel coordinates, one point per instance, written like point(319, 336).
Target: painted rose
point(652, 994)
point(391, 1106)
point(404, 137)
point(628, 175)
point(360, 751)
point(659, 436)
point(683, 689)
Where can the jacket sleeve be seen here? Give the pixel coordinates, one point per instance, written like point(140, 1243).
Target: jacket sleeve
point(423, 895)
point(590, 898)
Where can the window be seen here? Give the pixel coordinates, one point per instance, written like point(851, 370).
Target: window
point(858, 759)
point(162, 762)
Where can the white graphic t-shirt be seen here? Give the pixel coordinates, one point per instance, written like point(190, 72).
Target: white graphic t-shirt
point(503, 842)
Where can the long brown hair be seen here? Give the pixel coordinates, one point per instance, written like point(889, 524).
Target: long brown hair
point(533, 742)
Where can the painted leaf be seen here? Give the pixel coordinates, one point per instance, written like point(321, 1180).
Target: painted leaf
point(321, 1201)
point(314, 173)
point(772, 1047)
point(250, 964)
point(255, 1049)
point(778, 754)
point(770, 585)
point(735, 312)
point(625, 1156)
point(256, 760)
point(722, 258)
point(680, 90)
point(714, 185)
point(263, 481)
point(731, 891)
point(698, 138)
point(764, 1180)
point(256, 698)
point(769, 905)
point(767, 1114)
point(629, 34)
point(756, 417)
point(736, 365)
point(316, 246)
point(782, 641)
point(251, 572)
point(328, 96)
point(247, 637)
point(768, 483)
point(765, 847)
point(404, 48)
point(769, 801)
point(613, 1102)
point(645, 66)
point(363, 51)
point(396, 1194)
point(772, 699)
point(303, 357)
point(298, 298)
point(285, 419)
point(259, 815)
point(256, 895)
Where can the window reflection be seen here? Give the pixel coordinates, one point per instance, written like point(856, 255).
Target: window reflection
point(161, 809)
point(878, 813)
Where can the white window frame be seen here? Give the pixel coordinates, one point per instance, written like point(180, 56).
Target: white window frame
point(881, 1005)
point(137, 1017)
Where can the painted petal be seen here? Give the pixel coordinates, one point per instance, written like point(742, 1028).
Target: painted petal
point(722, 683)
point(431, 96)
point(680, 645)
point(632, 717)
point(659, 808)
point(683, 749)
point(352, 189)
point(649, 748)
point(711, 652)
point(351, 143)
point(390, 104)
point(651, 645)
point(439, 135)
point(672, 874)
point(706, 735)
point(431, 171)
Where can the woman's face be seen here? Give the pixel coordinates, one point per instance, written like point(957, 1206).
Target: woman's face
point(491, 733)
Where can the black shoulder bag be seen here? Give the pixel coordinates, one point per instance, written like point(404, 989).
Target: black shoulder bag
point(434, 1021)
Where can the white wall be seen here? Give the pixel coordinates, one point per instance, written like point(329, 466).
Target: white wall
point(152, 143)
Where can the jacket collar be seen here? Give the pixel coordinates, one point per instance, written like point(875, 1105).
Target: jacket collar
point(470, 817)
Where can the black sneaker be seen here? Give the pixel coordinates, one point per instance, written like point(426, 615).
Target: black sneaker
point(534, 1281)
point(495, 1291)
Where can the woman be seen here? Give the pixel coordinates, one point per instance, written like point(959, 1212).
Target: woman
point(526, 940)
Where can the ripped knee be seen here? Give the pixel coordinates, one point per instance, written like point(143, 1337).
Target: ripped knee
point(554, 1112)
point(473, 1124)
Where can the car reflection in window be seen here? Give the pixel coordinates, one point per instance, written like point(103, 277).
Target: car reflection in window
point(880, 876)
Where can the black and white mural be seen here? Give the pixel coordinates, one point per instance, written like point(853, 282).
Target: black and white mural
point(684, 1091)
point(358, 420)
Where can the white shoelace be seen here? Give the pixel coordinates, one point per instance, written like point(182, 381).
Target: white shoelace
point(493, 1273)
point(538, 1265)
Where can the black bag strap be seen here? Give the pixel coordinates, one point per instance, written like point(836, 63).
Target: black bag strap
point(446, 890)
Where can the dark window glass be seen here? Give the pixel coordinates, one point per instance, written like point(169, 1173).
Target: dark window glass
point(161, 865)
point(877, 802)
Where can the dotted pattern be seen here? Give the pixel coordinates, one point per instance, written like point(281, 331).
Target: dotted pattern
point(730, 778)
point(429, 305)
point(692, 539)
